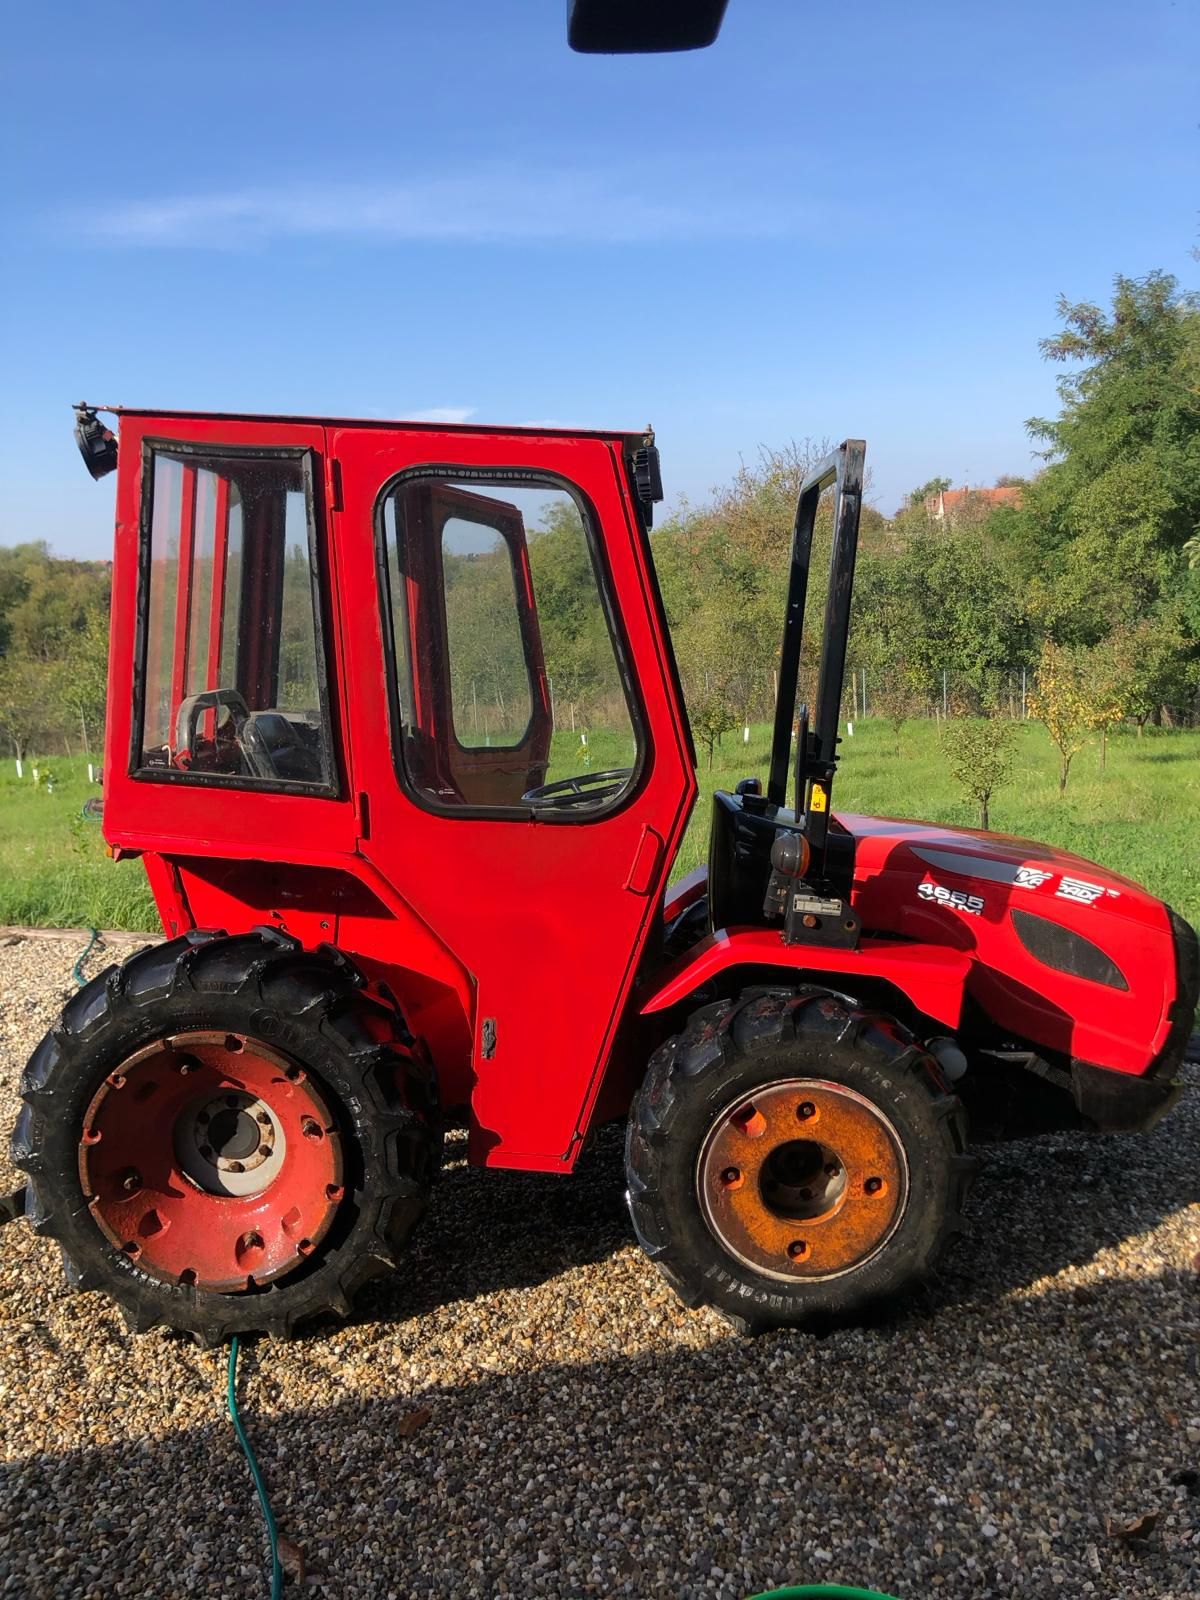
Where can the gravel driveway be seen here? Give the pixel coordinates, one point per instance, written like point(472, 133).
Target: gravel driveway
point(588, 1436)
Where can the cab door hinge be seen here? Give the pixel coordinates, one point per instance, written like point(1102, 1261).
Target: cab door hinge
point(362, 814)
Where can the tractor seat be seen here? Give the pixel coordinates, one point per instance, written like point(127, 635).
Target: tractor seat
point(277, 747)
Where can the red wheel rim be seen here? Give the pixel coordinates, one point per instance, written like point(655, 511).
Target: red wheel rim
point(211, 1160)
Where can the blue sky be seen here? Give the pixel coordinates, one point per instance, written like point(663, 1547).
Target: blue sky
point(410, 210)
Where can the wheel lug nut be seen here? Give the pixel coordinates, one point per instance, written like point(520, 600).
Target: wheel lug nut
point(263, 1119)
point(873, 1186)
point(805, 1110)
point(798, 1249)
point(131, 1182)
point(731, 1178)
point(264, 1149)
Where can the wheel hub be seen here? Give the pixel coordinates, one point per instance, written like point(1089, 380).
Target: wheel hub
point(802, 1179)
point(232, 1144)
point(212, 1161)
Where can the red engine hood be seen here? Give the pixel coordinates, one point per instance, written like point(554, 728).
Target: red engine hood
point(957, 887)
point(1002, 859)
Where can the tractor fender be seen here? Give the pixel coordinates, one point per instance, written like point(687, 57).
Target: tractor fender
point(933, 977)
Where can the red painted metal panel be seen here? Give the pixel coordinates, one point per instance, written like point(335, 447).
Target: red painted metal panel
point(900, 867)
point(932, 976)
point(539, 913)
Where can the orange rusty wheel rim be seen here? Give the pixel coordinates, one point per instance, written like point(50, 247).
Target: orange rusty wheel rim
point(802, 1179)
point(211, 1160)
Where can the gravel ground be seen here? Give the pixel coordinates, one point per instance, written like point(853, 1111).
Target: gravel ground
point(586, 1435)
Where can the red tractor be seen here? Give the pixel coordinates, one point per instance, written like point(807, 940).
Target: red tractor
point(396, 728)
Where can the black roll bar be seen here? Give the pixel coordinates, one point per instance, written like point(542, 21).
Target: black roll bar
point(816, 764)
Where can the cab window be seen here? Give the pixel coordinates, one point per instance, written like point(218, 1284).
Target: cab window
point(232, 671)
point(507, 679)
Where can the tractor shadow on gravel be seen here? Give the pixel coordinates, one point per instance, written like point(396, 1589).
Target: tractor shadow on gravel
point(1038, 1206)
point(876, 1458)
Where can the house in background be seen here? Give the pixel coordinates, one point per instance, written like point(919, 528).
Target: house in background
point(951, 505)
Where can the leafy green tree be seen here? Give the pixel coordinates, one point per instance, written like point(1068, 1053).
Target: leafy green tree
point(946, 600)
point(44, 600)
point(1061, 701)
point(1103, 529)
point(1153, 665)
point(79, 678)
point(979, 757)
point(25, 701)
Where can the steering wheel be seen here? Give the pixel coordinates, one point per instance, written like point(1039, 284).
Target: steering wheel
point(253, 747)
point(584, 790)
point(187, 720)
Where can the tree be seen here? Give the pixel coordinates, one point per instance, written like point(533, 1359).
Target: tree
point(1153, 665)
point(1104, 528)
point(44, 600)
point(979, 755)
point(24, 701)
point(948, 600)
point(80, 677)
point(919, 497)
point(1061, 702)
point(712, 645)
point(1105, 682)
point(898, 701)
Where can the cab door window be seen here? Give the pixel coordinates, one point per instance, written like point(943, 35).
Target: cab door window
point(232, 671)
point(507, 677)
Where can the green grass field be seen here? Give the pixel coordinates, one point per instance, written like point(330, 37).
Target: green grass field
point(1141, 816)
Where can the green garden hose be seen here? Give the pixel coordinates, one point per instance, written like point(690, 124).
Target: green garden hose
point(77, 969)
point(812, 1591)
point(255, 1473)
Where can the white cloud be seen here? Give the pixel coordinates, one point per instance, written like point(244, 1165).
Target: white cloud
point(485, 204)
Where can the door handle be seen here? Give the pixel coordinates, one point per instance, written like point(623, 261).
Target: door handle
point(644, 870)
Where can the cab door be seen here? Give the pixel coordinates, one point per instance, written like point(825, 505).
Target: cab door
point(526, 763)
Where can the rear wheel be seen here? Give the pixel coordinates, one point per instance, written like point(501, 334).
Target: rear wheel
point(792, 1157)
point(228, 1135)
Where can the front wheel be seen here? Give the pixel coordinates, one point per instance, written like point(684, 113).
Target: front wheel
point(228, 1135)
point(792, 1157)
